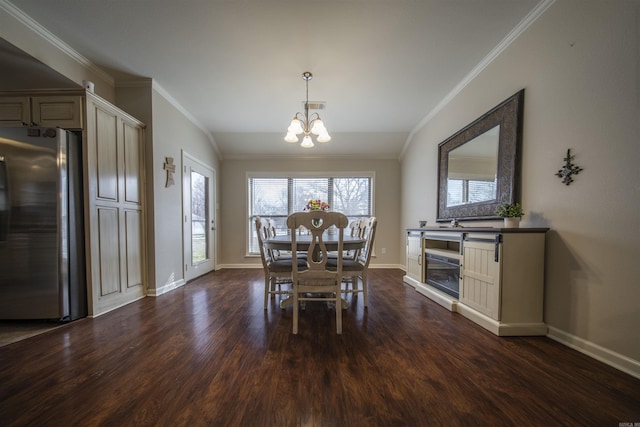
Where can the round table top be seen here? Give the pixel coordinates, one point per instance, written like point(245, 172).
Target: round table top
point(283, 242)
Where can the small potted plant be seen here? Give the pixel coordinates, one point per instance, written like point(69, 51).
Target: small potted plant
point(511, 214)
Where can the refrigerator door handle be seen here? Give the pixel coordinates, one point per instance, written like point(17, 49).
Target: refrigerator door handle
point(5, 201)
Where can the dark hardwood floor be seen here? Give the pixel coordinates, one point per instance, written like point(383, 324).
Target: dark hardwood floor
point(208, 354)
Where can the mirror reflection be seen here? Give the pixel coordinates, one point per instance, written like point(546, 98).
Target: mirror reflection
point(473, 170)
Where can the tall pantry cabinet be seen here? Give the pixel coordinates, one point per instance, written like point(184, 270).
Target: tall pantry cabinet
point(113, 166)
point(115, 172)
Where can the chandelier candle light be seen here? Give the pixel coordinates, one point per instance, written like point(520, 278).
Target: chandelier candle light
point(303, 123)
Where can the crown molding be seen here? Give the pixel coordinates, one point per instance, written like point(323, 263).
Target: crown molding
point(298, 157)
point(162, 92)
point(495, 52)
point(52, 39)
point(141, 83)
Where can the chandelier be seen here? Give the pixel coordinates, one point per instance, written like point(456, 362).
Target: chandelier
point(303, 123)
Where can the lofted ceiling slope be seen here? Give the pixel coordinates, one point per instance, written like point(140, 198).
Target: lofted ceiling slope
point(381, 66)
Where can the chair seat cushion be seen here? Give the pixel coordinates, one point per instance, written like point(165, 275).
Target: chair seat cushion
point(347, 265)
point(302, 255)
point(285, 265)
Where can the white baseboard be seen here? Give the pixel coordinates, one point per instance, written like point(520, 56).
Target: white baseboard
point(398, 266)
point(110, 309)
point(445, 300)
point(165, 288)
point(502, 329)
point(223, 266)
point(611, 358)
point(259, 265)
point(410, 281)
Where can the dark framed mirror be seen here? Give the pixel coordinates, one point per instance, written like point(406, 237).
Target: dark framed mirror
point(479, 166)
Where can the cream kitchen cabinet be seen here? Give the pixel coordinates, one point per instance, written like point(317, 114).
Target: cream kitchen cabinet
point(113, 172)
point(115, 180)
point(63, 111)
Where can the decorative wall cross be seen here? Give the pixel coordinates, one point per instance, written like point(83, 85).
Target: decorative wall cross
point(568, 169)
point(170, 168)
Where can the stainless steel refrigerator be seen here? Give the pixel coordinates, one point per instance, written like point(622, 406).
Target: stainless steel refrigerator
point(42, 263)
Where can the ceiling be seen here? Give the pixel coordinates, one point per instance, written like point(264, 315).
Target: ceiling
point(381, 66)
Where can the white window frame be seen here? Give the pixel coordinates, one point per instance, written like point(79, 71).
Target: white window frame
point(293, 175)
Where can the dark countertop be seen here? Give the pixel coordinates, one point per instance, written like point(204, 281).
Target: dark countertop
point(465, 229)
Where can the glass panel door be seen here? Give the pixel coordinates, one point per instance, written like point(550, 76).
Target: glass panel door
point(199, 217)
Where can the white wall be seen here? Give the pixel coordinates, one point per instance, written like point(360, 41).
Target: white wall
point(578, 63)
point(234, 203)
point(172, 133)
point(169, 133)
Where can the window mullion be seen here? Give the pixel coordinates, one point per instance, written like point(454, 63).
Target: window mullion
point(290, 195)
point(330, 192)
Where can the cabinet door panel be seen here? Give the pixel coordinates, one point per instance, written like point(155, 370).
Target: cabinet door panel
point(108, 250)
point(414, 257)
point(132, 163)
point(57, 111)
point(133, 245)
point(14, 111)
point(106, 148)
point(115, 171)
point(480, 279)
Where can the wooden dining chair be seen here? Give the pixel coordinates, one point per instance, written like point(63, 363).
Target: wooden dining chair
point(354, 231)
point(270, 231)
point(277, 272)
point(317, 282)
point(276, 254)
point(354, 271)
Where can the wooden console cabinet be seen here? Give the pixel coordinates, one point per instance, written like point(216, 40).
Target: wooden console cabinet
point(500, 279)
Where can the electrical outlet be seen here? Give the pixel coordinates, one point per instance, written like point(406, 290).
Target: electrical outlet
point(383, 251)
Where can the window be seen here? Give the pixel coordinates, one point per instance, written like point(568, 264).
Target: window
point(463, 191)
point(277, 197)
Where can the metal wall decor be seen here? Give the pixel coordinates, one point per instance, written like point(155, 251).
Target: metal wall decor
point(569, 169)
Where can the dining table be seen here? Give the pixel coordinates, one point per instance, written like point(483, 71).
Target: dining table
point(283, 242)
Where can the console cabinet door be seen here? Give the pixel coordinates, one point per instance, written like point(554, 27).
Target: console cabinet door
point(414, 256)
point(480, 278)
point(115, 179)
